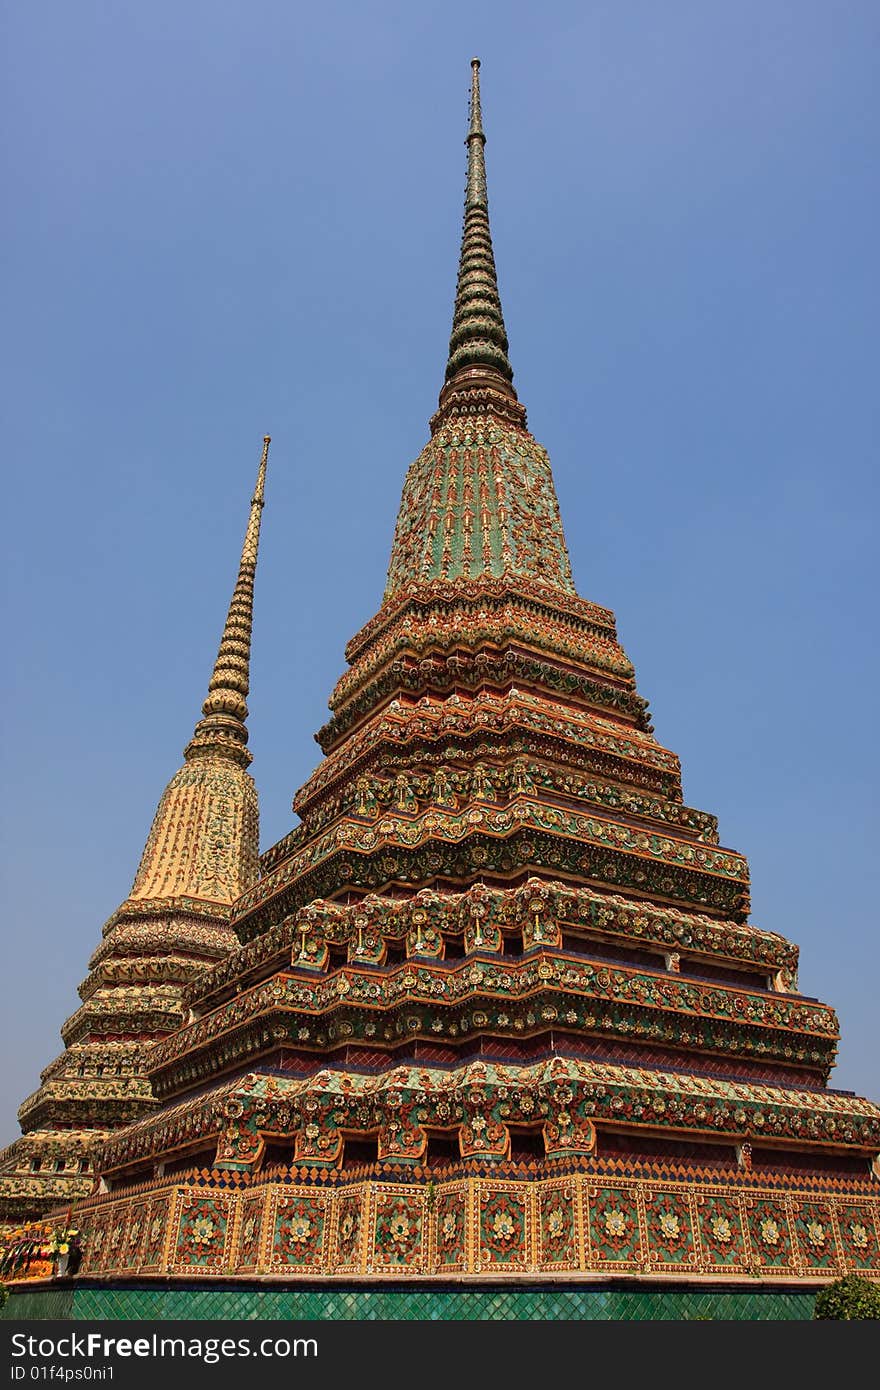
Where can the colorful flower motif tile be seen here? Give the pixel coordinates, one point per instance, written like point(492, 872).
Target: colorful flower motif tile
point(858, 1237)
point(614, 1227)
point(557, 1228)
point(450, 1215)
point(298, 1231)
point(482, 1224)
point(201, 1233)
point(349, 1230)
point(155, 1226)
point(397, 1231)
point(135, 1231)
point(96, 1244)
point(249, 1230)
point(114, 1245)
point(814, 1232)
point(669, 1230)
point(721, 1232)
point(502, 1228)
point(769, 1233)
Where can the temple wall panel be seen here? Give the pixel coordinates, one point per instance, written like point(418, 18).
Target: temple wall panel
point(485, 1228)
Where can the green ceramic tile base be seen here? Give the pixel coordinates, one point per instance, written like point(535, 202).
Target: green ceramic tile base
point(636, 1304)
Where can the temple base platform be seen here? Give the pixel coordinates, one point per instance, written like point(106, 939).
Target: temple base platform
point(630, 1301)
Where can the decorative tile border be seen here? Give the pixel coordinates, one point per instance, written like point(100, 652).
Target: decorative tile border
point(485, 1227)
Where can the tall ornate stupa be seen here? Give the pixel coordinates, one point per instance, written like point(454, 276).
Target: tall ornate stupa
point(496, 1015)
point(200, 856)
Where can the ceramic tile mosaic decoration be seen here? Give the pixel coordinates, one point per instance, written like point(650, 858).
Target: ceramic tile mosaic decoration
point(489, 1033)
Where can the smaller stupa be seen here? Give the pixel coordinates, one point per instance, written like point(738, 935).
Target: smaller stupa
point(201, 854)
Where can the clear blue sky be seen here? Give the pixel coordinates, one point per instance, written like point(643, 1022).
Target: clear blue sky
point(224, 219)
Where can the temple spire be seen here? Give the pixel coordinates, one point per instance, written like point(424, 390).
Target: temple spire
point(478, 361)
point(222, 730)
point(201, 854)
point(479, 502)
point(475, 141)
point(203, 841)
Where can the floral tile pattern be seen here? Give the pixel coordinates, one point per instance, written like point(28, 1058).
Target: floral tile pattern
point(482, 1225)
point(155, 1227)
point(397, 1230)
point(350, 1226)
point(814, 1233)
point(557, 1228)
point(115, 1239)
point(502, 1228)
point(669, 1230)
point(769, 1233)
point(203, 1223)
point(298, 1232)
point(721, 1233)
point(96, 1249)
point(249, 1232)
point(135, 1233)
point(858, 1236)
point(614, 1226)
point(450, 1216)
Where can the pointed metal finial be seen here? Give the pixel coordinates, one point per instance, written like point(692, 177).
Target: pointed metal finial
point(476, 127)
point(478, 361)
point(223, 729)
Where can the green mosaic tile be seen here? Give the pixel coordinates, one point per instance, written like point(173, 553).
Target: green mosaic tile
point(244, 1304)
point(40, 1304)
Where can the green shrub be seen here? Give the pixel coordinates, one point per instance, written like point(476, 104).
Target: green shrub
point(852, 1297)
